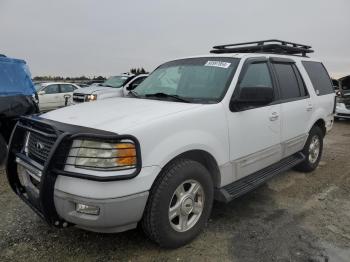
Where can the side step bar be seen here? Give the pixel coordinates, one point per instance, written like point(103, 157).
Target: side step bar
point(248, 183)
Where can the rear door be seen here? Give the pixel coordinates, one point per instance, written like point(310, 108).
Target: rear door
point(254, 132)
point(50, 99)
point(296, 105)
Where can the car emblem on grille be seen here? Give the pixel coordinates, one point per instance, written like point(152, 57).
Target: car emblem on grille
point(39, 146)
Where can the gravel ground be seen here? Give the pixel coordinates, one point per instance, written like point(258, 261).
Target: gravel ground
point(294, 217)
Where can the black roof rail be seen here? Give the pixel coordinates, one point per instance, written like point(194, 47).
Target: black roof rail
point(1, 55)
point(264, 46)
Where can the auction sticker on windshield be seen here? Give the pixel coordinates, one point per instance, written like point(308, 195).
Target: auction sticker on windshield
point(218, 64)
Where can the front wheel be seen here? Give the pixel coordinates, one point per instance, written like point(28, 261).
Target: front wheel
point(312, 150)
point(179, 205)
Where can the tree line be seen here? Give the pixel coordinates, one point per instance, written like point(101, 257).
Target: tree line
point(135, 71)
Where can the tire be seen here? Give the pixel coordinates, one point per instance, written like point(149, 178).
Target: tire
point(171, 190)
point(3, 149)
point(312, 158)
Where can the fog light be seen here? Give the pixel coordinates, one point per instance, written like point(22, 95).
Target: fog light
point(86, 209)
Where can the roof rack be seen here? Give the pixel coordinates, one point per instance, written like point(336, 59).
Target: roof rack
point(264, 46)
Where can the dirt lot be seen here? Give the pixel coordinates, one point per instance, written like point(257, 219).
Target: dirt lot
point(294, 217)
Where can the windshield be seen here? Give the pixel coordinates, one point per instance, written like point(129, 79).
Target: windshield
point(204, 79)
point(115, 81)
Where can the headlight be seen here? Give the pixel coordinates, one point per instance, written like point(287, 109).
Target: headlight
point(90, 98)
point(104, 156)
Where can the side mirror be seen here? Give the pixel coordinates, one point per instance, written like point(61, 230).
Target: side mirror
point(41, 93)
point(252, 96)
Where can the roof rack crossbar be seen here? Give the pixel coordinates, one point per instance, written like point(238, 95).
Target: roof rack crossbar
point(264, 46)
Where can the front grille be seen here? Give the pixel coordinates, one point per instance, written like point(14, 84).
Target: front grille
point(39, 147)
point(78, 98)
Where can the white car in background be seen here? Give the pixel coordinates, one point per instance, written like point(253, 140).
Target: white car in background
point(115, 86)
point(54, 95)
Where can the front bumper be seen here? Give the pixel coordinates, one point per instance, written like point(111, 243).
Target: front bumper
point(36, 184)
point(115, 215)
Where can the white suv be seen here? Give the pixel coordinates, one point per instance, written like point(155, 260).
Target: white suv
point(197, 129)
point(115, 86)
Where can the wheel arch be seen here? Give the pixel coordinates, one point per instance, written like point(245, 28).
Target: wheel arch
point(204, 158)
point(321, 123)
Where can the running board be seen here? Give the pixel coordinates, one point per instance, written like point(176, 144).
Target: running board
point(250, 182)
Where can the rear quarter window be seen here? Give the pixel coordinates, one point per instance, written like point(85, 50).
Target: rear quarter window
point(319, 77)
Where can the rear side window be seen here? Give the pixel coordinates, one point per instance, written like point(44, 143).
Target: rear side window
point(288, 81)
point(67, 88)
point(319, 77)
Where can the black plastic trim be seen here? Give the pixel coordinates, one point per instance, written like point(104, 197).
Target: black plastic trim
point(250, 182)
point(54, 165)
point(273, 46)
point(282, 60)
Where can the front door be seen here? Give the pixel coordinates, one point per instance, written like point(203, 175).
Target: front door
point(50, 98)
point(254, 131)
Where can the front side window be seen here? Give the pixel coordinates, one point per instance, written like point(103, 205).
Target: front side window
point(287, 80)
point(139, 80)
point(51, 89)
point(115, 81)
point(256, 75)
point(204, 79)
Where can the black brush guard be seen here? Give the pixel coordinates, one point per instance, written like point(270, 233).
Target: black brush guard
point(44, 205)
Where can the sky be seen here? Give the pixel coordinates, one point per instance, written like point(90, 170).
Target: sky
point(108, 37)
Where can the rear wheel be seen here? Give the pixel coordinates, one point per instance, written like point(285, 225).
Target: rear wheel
point(179, 205)
point(312, 150)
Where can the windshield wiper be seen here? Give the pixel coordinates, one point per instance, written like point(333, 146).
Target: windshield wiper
point(164, 95)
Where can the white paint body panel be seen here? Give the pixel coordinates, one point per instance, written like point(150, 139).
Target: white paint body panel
point(240, 142)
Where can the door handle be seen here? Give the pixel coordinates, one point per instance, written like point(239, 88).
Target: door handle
point(274, 116)
point(309, 107)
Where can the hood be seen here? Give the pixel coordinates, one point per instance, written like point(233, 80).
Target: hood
point(117, 114)
point(94, 89)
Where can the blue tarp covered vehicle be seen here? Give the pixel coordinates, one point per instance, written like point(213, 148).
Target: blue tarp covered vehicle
point(17, 96)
